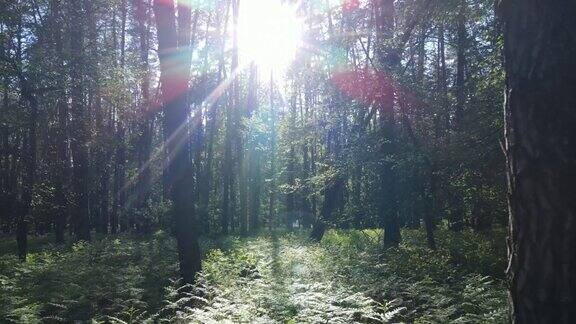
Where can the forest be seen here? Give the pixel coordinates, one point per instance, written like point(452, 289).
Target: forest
point(287, 161)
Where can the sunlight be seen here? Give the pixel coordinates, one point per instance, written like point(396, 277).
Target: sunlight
point(269, 34)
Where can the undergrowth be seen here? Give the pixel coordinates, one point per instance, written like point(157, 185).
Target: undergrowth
point(122, 275)
point(279, 277)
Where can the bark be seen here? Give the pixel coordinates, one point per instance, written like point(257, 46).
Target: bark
point(119, 178)
point(456, 201)
point(229, 197)
point(99, 198)
point(443, 116)
point(429, 208)
point(334, 188)
point(386, 55)
point(462, 43)
point(207, 141)
point(332, 199)
point(80, 124)
point(146, 121)
point(540, 116)
point(123, 17)
point(306, 167)
point(179, 165)
point(291, 169)
point(254, 158)
point(22, 206)
point(272, 175)
point(62, 157)
point(238, 130)
point(29, 160)
point(8, 157)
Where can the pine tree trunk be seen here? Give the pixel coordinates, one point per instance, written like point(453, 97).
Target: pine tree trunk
point(291, 170)
point(540, 115)
point(62, 157)
point(174, 88)
point(253, 168)
point(146, 121)
point(385, 54)
point(80, 124)
point(29, 161)
point(461, 47)
point(272, 190)
point(98, 201)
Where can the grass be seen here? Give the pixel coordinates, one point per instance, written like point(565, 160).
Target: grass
point(278, 277)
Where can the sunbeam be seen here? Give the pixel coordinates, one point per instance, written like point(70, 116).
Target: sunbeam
point(269, 34)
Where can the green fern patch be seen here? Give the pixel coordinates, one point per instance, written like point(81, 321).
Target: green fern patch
point(279, 277)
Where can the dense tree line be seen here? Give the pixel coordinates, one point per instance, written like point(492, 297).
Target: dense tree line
point(115, 110)
point(134, 115)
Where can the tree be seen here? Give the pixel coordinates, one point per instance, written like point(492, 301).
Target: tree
point(174, 51)
point(79, 142)
point(386, 57)
point(62, 156)
point(540, 116)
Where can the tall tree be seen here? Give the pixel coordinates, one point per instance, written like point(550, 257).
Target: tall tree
point(146, 120)
point(233, 142)
point(540, 116)
point(80, 134)
point(24, 205)
point(62, 156)
point(273, 146)
point(254, 159)
point(386, 58)
point(174, 50)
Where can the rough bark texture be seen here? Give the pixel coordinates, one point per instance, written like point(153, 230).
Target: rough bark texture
point(29, 176)
point(174, 86)
point(461, 47)
point(386, 58)
point(540, 113)
point(80, 125)
point(146, 122)
point(254, 158)
point(62, 158)
point(272, 186)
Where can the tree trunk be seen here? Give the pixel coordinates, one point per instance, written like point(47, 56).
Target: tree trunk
point(174, 88)
point(229, 197)
point(291, 169)
point(146, 121)
point(386, 56)
point(254, 164)
point(429, 209)
point(29, 161)
point(272, 177)
point(540, 116)
point(80, 124)
point(443, 116)
point(99, 175)
point(462, 43)
point(62, 157)
point(119, 178)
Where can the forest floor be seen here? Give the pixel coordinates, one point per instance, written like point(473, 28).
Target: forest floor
point(280, 277)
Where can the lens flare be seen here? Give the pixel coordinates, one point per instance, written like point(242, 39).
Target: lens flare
point(269, 34)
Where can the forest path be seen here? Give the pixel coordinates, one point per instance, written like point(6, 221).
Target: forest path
point(279, 279)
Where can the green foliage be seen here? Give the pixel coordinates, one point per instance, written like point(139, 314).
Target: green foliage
point(429, 284)
point(115, 276)
point(269, 278)
point(276, 279)
point(345, 278)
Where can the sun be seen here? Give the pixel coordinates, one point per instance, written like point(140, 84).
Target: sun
point(269, 34)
